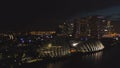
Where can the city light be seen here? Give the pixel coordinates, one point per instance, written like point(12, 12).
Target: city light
point(75, 44)
point(79, 36)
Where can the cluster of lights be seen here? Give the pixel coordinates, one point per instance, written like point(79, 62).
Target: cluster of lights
point(35, 38)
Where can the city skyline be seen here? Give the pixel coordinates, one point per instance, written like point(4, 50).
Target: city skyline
point(60, 34)
point(48, 14)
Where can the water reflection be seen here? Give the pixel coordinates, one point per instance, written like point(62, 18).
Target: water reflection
point(59, 64)
point(93, 57)
point(78, 60)
point(84, 61)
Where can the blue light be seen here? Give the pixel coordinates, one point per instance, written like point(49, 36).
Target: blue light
point(21, 38)
point(22, 41)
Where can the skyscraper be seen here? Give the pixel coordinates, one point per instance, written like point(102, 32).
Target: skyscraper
point(81, 28)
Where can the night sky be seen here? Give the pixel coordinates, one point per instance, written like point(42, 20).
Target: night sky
point(47, 14)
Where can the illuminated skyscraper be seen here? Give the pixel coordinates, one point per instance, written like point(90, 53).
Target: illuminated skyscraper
point(81, 28)
point(66, 29)
point(108, 28)
point(87, 27)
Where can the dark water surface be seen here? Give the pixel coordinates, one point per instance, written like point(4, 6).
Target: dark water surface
point(108, 58)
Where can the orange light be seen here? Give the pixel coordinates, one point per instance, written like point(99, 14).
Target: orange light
point(72, 51)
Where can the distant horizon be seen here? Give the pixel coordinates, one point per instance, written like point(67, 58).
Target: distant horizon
point(37, 27)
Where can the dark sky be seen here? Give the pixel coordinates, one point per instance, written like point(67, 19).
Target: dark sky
point(47, 14)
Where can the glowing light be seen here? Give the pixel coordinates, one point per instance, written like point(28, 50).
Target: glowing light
point(51, 36)
point(105, 30)
point(72, 50)
point(30, 40)
point(117, 38)
point(21, 39)
point(47, 36)
point(70, 35)
point(42, 39)
point(49, 45)
point(75, 44)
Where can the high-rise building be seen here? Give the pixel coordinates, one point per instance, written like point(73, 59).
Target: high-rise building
point(87, 27)
point(66, 29)
point(109, 28)
point(97, 26)
point(81, 28)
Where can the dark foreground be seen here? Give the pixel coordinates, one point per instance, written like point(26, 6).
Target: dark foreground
point(108, 58)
